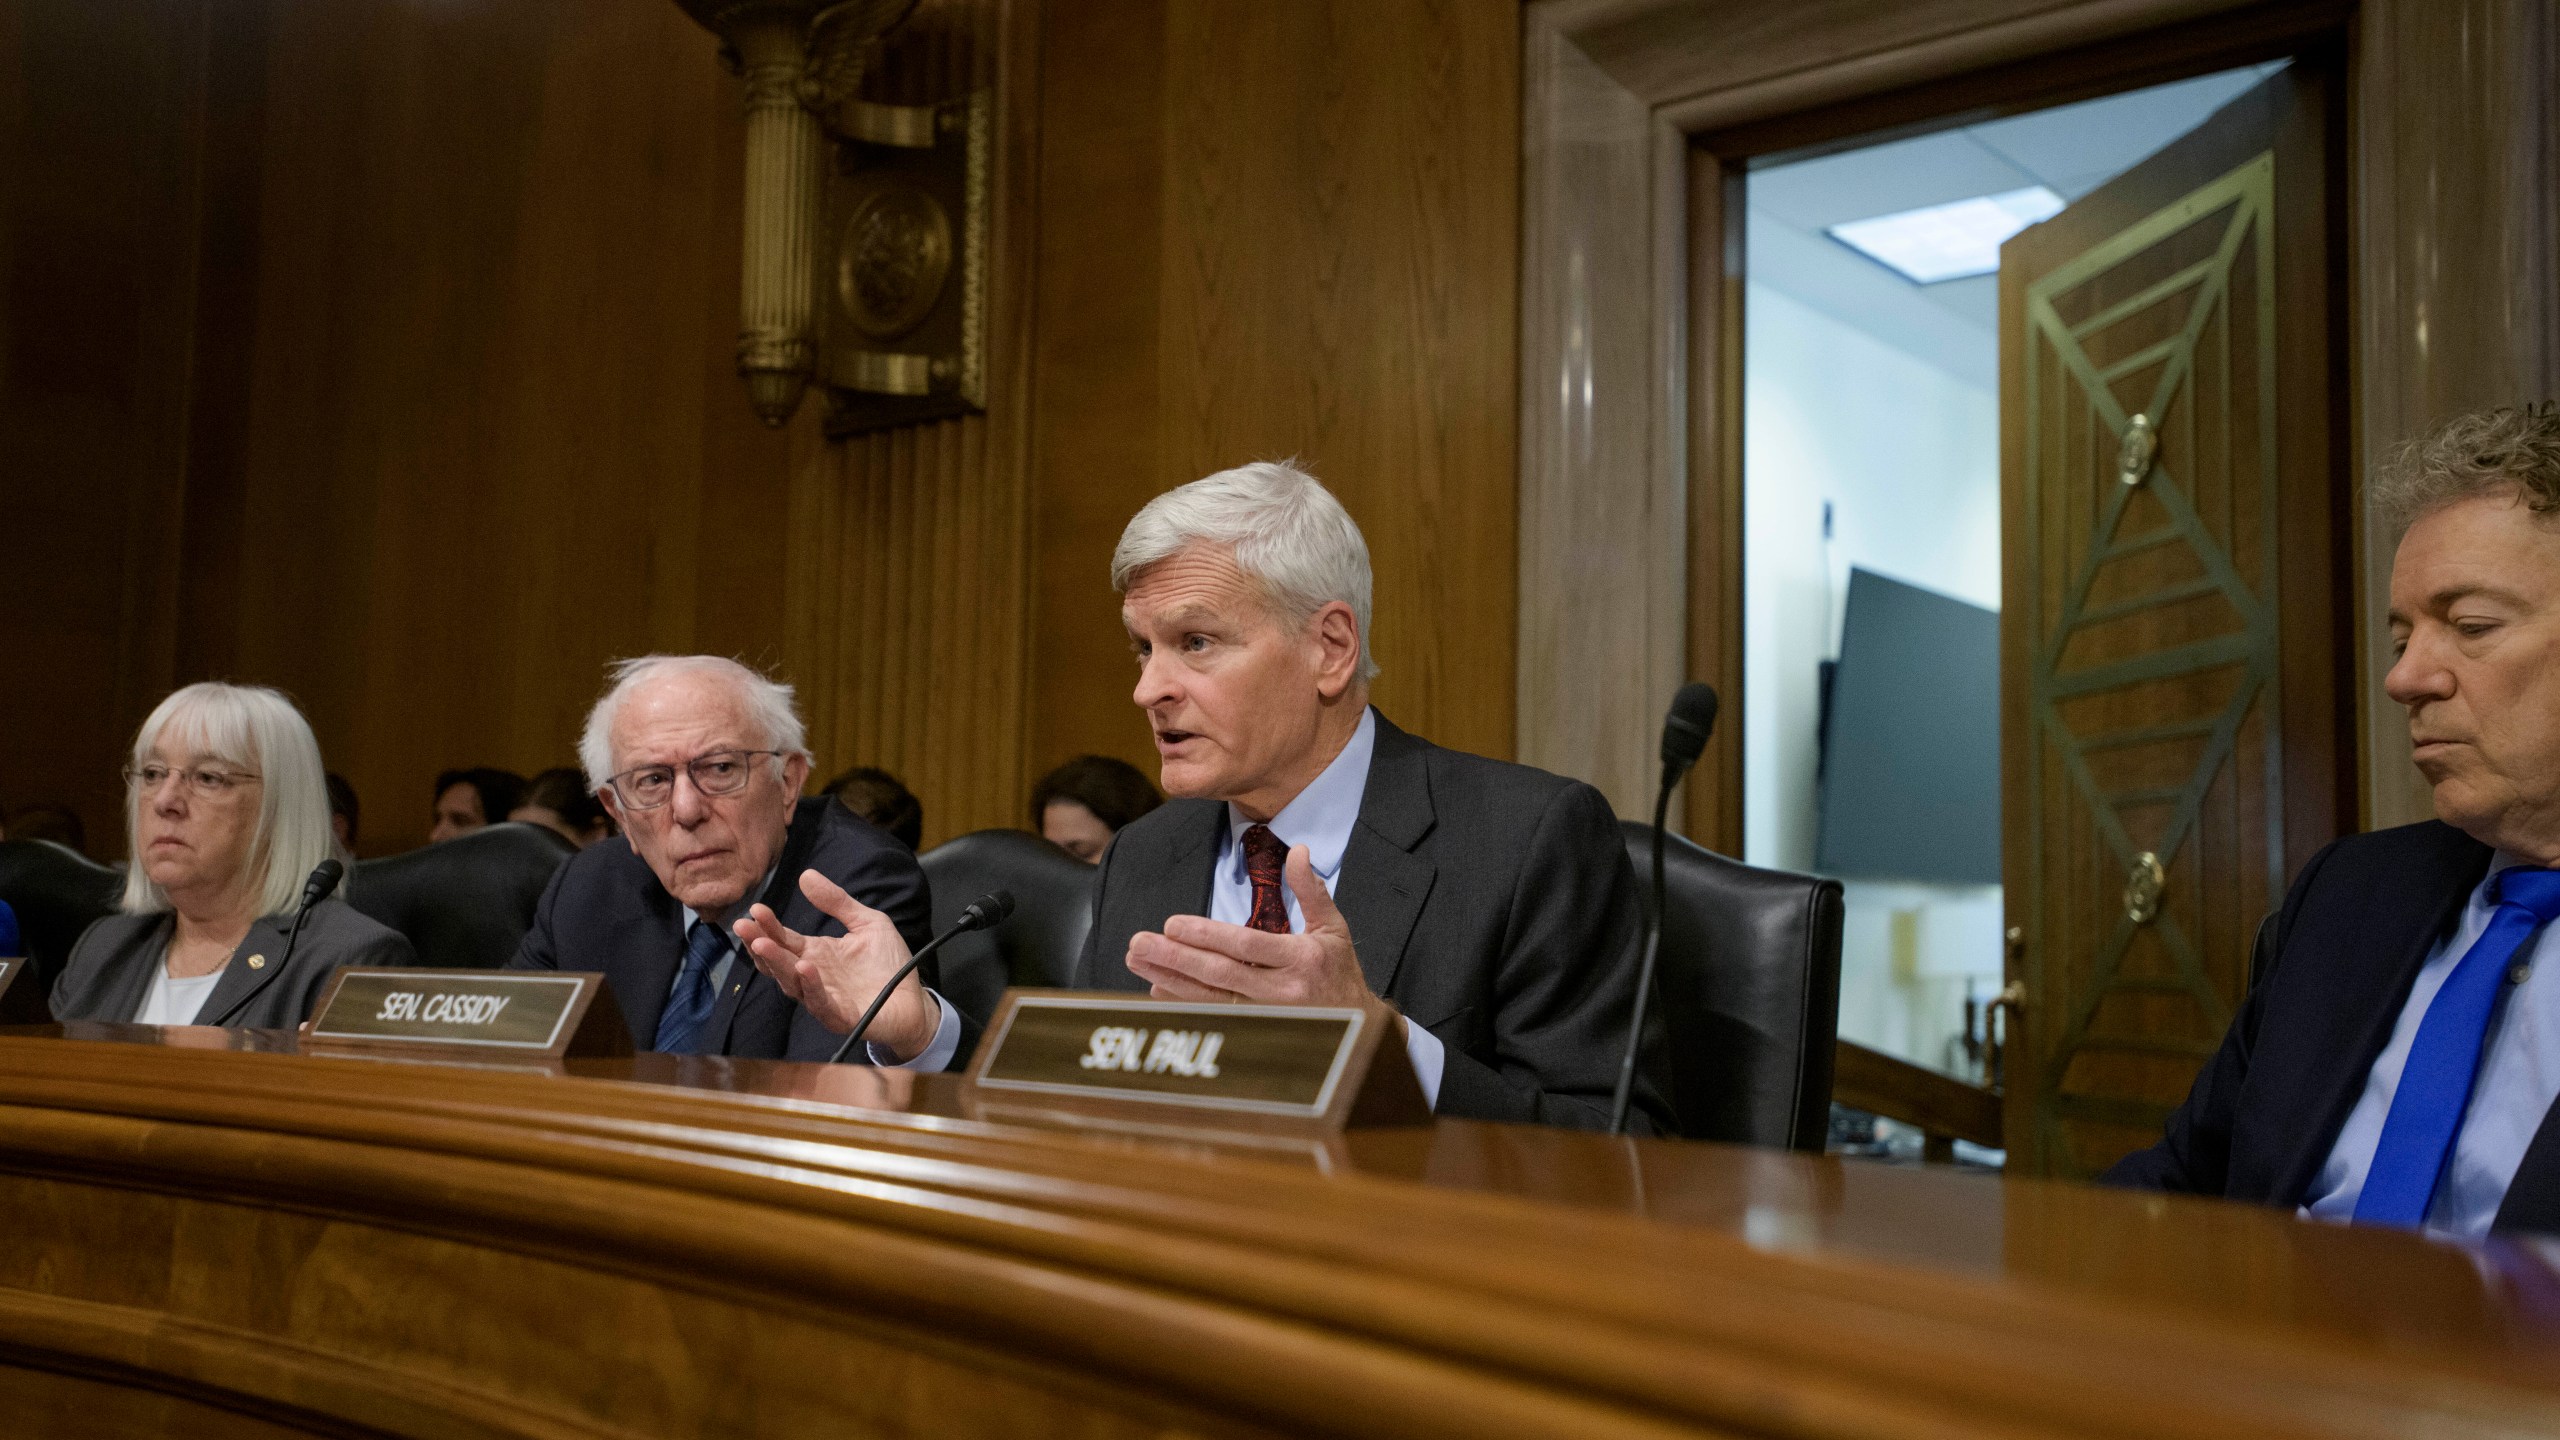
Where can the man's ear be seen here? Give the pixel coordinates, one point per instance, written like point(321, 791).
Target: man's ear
point(613, 807)
point(795, 773)
point(1336, 633)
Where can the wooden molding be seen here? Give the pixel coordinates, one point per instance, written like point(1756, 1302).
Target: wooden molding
point(1896, 1089)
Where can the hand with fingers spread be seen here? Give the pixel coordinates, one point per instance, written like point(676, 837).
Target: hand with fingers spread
point(834, 977)
point(1197, 958)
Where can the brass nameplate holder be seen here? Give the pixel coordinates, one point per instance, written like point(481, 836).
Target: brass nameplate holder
point(1299, 1069)
point(545, 1014)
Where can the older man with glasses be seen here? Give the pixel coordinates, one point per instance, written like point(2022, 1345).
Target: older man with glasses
point(701, 761)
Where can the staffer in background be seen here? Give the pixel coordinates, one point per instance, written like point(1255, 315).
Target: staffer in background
point(226, 815)
point(559, 801)
point(881, 798)
point(467, 800)
point(701, 760)
point(1080, 805)
point(346, 817)
point(2397, 1061)
point(1485, 910)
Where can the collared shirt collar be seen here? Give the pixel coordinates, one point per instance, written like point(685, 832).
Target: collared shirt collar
point(1323, 815)
point(730, 917)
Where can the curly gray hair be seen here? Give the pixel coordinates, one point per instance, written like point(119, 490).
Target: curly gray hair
point(2511, 450)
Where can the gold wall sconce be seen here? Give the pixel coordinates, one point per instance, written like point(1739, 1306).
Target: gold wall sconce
point(865, 224)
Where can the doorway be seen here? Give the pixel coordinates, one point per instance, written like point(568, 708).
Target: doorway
point(1890, 736)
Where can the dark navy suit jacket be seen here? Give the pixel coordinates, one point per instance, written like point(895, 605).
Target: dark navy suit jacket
point(2355, 930)
point(606, 911)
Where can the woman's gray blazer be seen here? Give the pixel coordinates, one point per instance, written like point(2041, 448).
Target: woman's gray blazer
point(110, 970)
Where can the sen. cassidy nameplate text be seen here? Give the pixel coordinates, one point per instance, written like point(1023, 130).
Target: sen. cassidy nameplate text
point(1298, 1066)
point(537, 1013)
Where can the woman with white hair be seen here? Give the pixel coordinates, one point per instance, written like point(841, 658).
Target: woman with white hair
point(226, 816)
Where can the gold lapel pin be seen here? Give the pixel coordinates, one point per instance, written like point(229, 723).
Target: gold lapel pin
point(257, 962)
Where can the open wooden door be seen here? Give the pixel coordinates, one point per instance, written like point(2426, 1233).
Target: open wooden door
point(2178, 731)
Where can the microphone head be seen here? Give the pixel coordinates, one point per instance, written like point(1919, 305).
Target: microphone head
point(324, 878)
point(988, 909)
point(1692, 720)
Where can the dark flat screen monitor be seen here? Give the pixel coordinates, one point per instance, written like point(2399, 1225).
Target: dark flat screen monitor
point(1910, 786)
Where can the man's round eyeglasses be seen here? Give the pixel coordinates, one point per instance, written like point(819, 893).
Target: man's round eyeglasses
point(722, 772)
point(203, 781)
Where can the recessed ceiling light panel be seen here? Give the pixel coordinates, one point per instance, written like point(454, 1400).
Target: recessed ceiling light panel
point(1948, 242)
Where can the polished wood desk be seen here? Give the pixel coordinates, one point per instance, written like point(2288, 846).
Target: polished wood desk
point(214, 1241)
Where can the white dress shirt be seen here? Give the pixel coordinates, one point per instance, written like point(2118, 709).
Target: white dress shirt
point(2518, 1079)
point(173, 1001)
point(1320, 818)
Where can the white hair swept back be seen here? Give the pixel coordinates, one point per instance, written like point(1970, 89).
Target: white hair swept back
point(1287, 531)
point(768, 703)
point(259, 731)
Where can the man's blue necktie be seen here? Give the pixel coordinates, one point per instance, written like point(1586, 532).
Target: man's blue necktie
point(680, 1024)
point(2435, 1084)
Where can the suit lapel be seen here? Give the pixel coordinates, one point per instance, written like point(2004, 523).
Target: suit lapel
point(133, 982)
point(1185, 873)
point(1383, 883)
point(2377, 992)
point(783, 897)
point(241, 981)
point(641, 959)
point(2533, 1197)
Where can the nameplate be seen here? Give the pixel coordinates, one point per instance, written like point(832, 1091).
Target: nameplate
point(10, 965)
point(543, 1013)
point(1286, 1066)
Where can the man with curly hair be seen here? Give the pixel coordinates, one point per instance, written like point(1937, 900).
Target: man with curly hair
point(2397, 1060)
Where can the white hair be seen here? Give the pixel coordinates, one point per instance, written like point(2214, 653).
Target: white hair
point(768, 704)
point(1287, 531)
point(260, 731)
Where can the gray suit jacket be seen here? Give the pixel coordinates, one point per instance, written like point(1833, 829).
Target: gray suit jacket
point(1492, 904)
point(110, 970)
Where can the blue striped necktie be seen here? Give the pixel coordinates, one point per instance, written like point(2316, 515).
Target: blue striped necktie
point(2435, 1084)
point(680, 1024)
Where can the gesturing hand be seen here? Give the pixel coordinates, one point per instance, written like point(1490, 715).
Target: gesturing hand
point(835, 976)
point(1197, 958)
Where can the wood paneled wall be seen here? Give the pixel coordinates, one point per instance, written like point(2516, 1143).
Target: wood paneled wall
point(1273, 231)
point(492, 440)
point(906, 597)
point(382, 350)
point(98, 266)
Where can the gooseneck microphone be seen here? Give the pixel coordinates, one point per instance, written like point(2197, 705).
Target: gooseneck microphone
point(1684, 739)
point(324, 878)
point(986, 910)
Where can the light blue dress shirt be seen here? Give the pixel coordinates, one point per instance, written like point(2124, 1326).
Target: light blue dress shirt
point(1320, 818)
point(2518, 1079)
point(935, 1056)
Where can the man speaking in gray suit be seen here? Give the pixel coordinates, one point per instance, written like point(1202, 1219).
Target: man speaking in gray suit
point(1314, 854)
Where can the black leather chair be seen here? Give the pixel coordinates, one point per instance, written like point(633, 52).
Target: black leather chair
point(1748, 984)
point(464, 904)
point(56, 893)
point(1037, 944)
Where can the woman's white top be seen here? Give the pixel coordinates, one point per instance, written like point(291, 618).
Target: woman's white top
point(175, 1002)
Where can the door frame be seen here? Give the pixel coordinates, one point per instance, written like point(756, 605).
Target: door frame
point(1638, 118)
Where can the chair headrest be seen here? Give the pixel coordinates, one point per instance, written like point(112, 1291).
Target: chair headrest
point(53, 889)
point(1016, 860)
point(465, 902)
point(1038, 944)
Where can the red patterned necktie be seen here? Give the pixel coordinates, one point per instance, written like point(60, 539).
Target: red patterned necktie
point(1264, 856)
